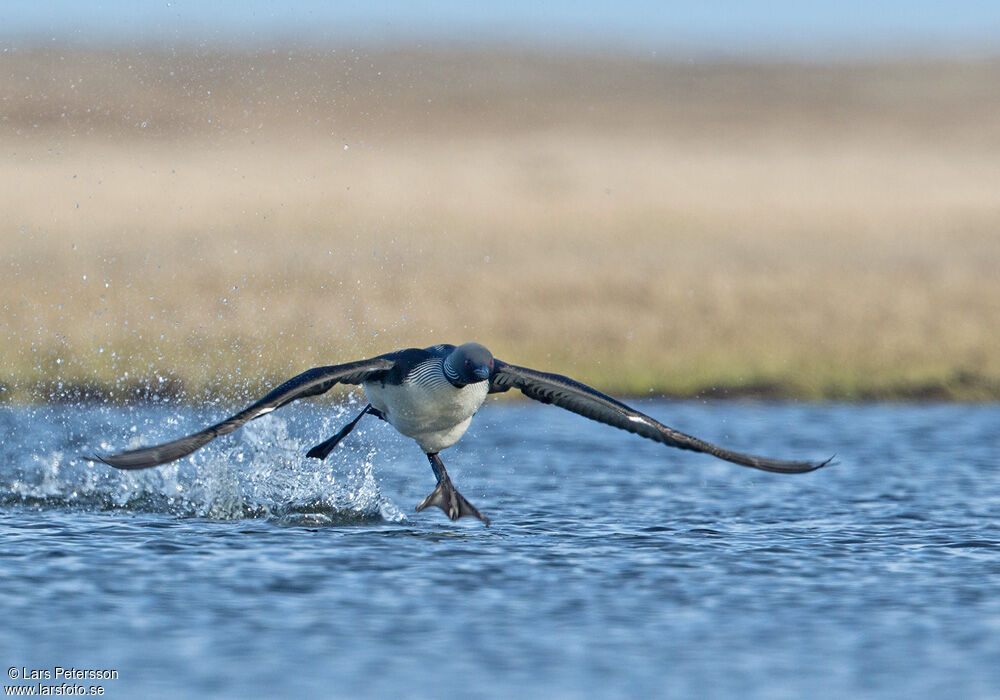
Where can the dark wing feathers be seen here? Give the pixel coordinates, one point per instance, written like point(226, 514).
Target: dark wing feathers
point(590, 403)
point(310, 383)
point(540, 386)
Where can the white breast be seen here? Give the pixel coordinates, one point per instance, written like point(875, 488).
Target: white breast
point(434, 414)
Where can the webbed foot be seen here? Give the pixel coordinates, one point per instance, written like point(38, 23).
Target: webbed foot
point(447, 498)
point(321, 450)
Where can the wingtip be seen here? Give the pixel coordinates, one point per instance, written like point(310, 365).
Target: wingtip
point(826, 462)
point(803, 467)
point(97, 458)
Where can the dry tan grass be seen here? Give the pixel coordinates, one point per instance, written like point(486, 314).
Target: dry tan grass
point(229, 220)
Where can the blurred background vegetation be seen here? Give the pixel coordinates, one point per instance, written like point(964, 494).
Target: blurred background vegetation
point(186, 220)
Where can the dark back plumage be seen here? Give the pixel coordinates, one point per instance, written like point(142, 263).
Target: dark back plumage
point(460, 366)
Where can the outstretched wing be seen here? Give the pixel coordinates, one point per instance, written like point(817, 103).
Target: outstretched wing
point(590, 403)
point(310, 383)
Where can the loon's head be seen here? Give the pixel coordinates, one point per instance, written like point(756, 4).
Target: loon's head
point(468, 364)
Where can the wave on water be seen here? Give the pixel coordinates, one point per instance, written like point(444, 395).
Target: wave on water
point(262, 474)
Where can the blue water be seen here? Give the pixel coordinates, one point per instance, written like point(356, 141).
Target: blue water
point(614, 568)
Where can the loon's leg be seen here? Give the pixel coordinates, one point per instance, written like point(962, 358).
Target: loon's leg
point(321, 450)
point(446, 497)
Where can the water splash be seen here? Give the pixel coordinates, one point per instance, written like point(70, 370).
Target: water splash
point(263, 473)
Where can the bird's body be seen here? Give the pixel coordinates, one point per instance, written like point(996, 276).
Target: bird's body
point(431, 395)
point(420, 402)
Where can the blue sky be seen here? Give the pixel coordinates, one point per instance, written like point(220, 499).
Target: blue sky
point(727, 27)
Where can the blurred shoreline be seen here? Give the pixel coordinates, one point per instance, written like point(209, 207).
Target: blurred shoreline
point(186, 224)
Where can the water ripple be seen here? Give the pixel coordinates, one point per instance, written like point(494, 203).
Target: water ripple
point(614, 567)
